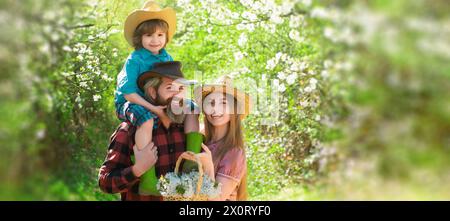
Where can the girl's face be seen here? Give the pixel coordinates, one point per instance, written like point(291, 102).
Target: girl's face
point(154, 42)
point(216, 107)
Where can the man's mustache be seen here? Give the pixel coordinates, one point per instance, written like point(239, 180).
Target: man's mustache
point(174, 110)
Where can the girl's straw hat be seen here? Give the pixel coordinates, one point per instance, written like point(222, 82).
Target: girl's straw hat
point(149, 11)
point(225, 85)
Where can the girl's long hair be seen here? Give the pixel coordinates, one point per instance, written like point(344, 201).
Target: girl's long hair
point(233, 139)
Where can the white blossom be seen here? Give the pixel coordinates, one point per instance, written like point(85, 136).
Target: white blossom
point(327, 63)
point(291, 78)
point(271, 64)
point(276, 19)
point(294, 35)
point(317, 118)
point(281, 75)
point(295, 21)
point(245, 70)
point(242, 40)
point(308, 89)
point(286, 7)
point(186, 184)
point(66, 48)
point(240, 26)
point(239, 55)
point(247, 3)
point(40, 134)
point(330, 34)
point(183, 2)
point(96, 97)
point(307, 3)
point(78, 98)
point(319, 13)
point(249, 16)
point(281, 87)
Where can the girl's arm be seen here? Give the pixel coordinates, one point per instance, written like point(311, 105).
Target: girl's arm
point(230, 171)
point(228, 186)
point(116, 174)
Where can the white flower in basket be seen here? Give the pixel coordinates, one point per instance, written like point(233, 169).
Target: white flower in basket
point(193, 186)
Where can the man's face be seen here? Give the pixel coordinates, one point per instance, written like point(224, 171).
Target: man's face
point(168, 89)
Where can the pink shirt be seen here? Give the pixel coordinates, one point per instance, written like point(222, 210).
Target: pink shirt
point(233, 166)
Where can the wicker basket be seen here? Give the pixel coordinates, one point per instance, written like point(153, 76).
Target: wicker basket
point(197, 196)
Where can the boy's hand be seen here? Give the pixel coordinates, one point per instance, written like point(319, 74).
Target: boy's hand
point(159, 110)
point(144, 159)
point(161, 113)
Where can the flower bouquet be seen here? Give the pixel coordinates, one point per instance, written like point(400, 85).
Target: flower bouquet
point(193, 186)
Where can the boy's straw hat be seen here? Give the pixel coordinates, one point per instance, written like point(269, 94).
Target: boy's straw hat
point(225, 85)
point(150, 10)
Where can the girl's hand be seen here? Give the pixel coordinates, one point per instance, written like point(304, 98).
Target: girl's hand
point(206, 159)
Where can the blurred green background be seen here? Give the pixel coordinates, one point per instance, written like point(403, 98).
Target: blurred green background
point(363, 111)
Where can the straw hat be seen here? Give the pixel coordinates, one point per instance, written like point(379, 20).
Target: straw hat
point(150, 10)
point(225, 85)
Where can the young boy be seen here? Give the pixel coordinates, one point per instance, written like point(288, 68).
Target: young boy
point(148, 30)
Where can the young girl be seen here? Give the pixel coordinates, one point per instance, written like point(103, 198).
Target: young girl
point(224, 155)
point(148, 30)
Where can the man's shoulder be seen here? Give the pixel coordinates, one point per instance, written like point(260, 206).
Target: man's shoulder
point(123, 133)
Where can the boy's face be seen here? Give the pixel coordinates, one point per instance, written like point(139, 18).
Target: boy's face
point(154, 42)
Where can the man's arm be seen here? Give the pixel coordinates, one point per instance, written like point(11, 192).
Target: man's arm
point(116, 174)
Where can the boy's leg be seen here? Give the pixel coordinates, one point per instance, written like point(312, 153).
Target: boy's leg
point(148, 180)
point(143, 134)
point(121, 111)
point(143, 120)
point(191, 122)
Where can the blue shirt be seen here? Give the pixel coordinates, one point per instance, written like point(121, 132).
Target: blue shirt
point(138, 62)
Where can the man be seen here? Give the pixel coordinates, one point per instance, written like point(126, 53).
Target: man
point(118, 174)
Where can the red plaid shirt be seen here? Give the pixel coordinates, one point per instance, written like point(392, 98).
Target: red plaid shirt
point(115, 175)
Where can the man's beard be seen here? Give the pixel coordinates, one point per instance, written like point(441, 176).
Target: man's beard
point(161, 102)
point(176, 116)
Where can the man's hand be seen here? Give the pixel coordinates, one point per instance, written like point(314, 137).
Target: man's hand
point(144, 159)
